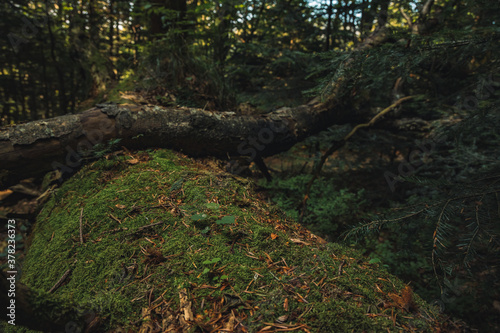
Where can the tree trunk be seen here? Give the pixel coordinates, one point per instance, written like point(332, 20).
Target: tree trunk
point(157, 25)
point(60, 143)
point(329, 25)
point(111, 33)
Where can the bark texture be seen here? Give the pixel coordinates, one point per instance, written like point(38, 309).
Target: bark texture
point(60, 143)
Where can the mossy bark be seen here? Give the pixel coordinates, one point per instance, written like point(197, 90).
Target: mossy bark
point(61, 143)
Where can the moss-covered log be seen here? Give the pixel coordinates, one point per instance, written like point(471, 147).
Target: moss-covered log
point(61, 143)
point(168, 243)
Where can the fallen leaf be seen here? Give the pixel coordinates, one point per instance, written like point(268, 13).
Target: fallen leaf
point(405, 301)
point(185, 305)
point(282, 319)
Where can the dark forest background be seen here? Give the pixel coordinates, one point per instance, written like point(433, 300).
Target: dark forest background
point(418, 192)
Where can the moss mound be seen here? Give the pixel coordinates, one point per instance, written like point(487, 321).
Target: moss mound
point(169, 244)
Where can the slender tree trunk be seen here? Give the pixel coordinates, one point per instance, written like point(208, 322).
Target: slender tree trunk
point(62, 84)
point(111, 23)
point(383, 12)
point(47, 97)
point(366, 18)
point(33, 98)
point(117, 43)
point(93, 20)
point(157, 26)
point(21, 93)
point(16, 96)
point(4, 115)
point(329, 25)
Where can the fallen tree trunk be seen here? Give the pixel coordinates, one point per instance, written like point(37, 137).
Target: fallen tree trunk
point(60, 143)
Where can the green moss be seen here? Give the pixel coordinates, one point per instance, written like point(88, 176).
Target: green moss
point(127, 84)
point(258, 268)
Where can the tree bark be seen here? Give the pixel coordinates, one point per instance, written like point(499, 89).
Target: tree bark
point(60, 143)
point(329, 26)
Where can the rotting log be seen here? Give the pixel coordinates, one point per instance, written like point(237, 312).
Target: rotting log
point(60, 143)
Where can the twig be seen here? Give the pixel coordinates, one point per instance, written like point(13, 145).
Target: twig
point(339, 144)
point(148, 226)
point(144, 227)
point(407, 18)
point(114, 218)
point(81, 233)
point(435, 245)
point(380, 114)
point(60, 282)
point(476, 231)
point(379, 223)
point(341, 267)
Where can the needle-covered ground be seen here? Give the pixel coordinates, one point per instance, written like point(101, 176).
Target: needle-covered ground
point(171, 245)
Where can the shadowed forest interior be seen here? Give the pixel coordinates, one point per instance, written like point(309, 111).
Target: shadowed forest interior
point(416, 190)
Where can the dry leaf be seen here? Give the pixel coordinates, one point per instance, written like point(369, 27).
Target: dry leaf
point(405, 301)
point(231, 322)
point(282, 319)
point(185, 305)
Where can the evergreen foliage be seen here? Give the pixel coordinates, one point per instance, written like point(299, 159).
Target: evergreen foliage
point(447, 197)
point(440, 229)
point(331, 208)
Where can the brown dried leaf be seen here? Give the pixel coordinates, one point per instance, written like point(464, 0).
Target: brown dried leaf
point(405, 301)
point(185, 305)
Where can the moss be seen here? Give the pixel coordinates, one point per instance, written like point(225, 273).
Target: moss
point(115, 94)
point(258, 268)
